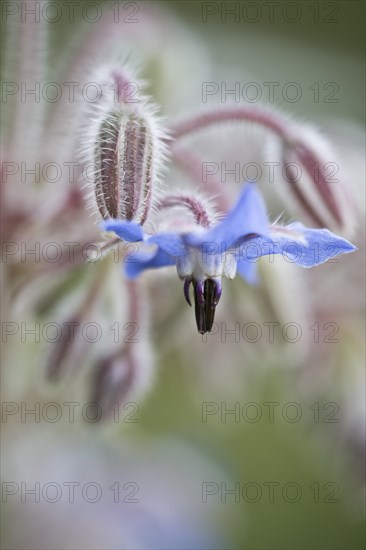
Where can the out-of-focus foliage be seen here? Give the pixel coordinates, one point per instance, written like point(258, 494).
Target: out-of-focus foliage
point(181, 434)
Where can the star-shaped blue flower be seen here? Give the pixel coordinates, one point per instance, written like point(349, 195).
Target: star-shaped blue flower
point(202, 256)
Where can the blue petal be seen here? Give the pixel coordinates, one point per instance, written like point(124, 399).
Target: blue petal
point(249, 272)
point(170, 242)
point(297, 244)
point(322, 245)
point(129, 231)
point(254, 248)
point(147, 260)
point(248, 216)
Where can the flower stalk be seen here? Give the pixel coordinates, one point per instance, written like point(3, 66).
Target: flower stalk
point(295, 144)
point(122, 372)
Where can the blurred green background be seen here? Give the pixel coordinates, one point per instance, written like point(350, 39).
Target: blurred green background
point(310, 453)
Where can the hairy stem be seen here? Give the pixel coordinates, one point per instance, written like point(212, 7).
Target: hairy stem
point(261, 116)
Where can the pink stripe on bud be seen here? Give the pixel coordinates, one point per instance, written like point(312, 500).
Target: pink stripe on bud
point(314, 168)
point(123, 177)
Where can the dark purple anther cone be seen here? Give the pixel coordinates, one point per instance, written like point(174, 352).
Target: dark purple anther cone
point(206, 297)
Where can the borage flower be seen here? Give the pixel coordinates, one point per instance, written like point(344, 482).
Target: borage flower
point(204, 251)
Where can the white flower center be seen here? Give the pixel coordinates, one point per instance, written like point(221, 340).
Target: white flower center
point(201, 265)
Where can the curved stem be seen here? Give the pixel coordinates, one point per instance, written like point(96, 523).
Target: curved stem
point(279, 125)
point(190, 202)
point(261, 116)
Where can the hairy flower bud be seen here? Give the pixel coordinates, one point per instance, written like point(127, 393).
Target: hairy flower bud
point(122, 376)
point(125, 145)
point(112, 381)
point(60, 352)
point(124, 157)
point(315, 177)
point(126, 371)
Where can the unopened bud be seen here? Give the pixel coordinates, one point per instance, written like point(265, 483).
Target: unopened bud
point(313, 172)
point(113, 379)
point(125, 146)
point(61, 350)
point(125, 374)
point(123, 176)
